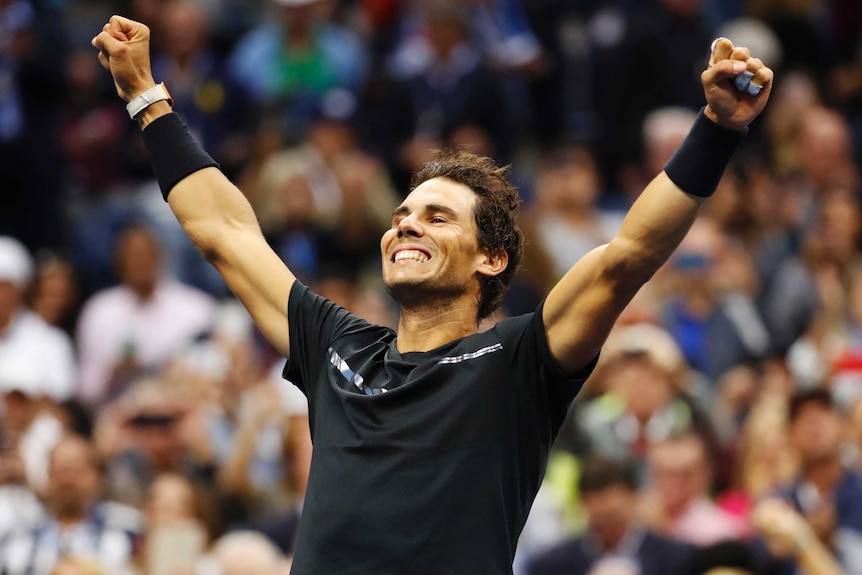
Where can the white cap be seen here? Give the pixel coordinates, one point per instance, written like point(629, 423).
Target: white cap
point(20, 376)
point(16, 264)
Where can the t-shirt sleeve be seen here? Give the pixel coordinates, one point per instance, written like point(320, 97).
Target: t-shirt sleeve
point(314, 323)
point(552, 389)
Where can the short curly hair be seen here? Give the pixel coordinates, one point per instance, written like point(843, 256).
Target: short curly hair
point(496, 211)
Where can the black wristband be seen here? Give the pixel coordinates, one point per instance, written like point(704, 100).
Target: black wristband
point(173, 152)
point(698, 164)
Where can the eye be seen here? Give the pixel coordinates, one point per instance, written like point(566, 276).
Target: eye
point(438, 220)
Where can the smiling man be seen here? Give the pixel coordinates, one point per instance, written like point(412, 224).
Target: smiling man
point(430, 441)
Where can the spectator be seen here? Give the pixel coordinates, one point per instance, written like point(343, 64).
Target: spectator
point(824, 484)
point(176, 536)
point(711, 309)
point(568, 220)
point(794, 545)
point(54, 296)
point(436, 85)
point(290, 61)
point(216, 108)
point(615, 539)
point(138, 325)
point(33, 354)
point(677, 504)
point(150, 430)
point(79, 521)
point(641, 399)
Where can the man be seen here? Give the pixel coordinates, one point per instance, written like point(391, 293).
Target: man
point(139, 325)
point(826, 494)
point(679, 505)
point(78, 523)
point(609, 493)
point(431, 441)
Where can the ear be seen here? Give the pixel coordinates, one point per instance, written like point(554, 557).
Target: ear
point(493, 264)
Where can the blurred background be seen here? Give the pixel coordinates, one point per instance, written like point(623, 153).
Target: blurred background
point(145, 426)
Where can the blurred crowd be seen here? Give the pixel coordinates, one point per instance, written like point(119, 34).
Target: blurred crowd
point(145, 426)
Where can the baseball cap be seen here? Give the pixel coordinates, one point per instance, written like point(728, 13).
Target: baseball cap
point(16, 264)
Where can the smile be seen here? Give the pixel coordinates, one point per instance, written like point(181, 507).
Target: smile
point(410, 255)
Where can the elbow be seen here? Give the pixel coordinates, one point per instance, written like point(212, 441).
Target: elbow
point(210, 240)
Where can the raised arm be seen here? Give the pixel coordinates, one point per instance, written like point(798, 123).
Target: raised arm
point(212, 211)
point(581, 309)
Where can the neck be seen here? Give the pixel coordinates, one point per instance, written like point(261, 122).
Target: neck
point(825, 473)
point(144, 292)
point(426, 328)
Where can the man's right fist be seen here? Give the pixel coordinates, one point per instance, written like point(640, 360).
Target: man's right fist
point(124, 50)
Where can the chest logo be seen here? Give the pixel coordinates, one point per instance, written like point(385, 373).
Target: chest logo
point(351, 375)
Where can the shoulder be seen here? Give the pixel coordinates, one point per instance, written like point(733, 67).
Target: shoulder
point(106, 302)
point(34, 327)
point(188, 297)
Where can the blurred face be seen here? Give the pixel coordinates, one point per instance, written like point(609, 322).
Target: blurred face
point(170, 500)
point(56, 293)
point(824, 145)
point(570, 184)
point(431, 251)
point(680, 471)
point(19, 410)
point(73, 479)
point(816, 433)
point(610, 512)
point(644, 388)
point(157, 436)
point(138, 260)
point(184, 29)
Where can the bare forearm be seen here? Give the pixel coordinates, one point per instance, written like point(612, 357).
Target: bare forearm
point(815, 559)
point(654, 227)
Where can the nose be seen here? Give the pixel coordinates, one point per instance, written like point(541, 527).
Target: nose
point(410, 226)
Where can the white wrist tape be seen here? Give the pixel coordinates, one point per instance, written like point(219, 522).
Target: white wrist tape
point(141, 102)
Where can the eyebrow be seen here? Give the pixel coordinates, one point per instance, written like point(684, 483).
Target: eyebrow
point(434, 208)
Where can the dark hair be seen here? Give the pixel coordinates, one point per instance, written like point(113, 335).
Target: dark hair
point(600, 473)
point(798, 400)
point(730, 553)
point(496, 209)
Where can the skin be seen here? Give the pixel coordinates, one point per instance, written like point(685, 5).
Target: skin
point(579, 311)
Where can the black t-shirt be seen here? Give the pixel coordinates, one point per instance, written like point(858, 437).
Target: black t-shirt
point(424, 462)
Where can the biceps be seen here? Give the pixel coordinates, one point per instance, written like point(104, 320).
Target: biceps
point(581, 309)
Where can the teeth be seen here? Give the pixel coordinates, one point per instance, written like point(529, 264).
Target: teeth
point(415, 255)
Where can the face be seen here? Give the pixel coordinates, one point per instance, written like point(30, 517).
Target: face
point(610, 512)
point(680, 471)
point(643, 387)
point(816, 432)
point(431, 252)
point(138, 260)
point(170, 500)
point(73, 479)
